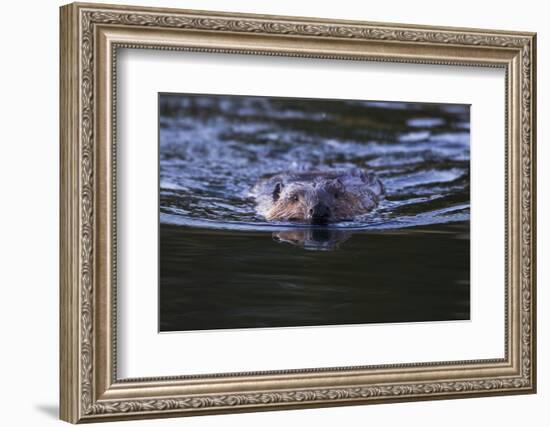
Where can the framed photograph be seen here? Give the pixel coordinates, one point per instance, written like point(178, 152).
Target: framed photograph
point(266, 212)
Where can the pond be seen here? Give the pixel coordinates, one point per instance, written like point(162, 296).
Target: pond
point(224, 266)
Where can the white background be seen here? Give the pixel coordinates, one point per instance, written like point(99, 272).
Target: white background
point(145, 353)
point(29, 171)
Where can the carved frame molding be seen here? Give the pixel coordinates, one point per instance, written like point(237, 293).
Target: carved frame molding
point(90, 36)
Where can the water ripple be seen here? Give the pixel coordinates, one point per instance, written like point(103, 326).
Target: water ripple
point(213, 149)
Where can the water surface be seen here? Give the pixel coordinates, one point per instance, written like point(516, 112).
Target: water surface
point(223, 266)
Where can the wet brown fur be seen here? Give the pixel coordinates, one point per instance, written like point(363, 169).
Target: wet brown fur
point(292, 196)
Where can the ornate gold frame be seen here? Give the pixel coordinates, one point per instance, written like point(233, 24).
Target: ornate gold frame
point(90, 36)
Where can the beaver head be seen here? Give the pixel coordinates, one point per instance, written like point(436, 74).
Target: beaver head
point(314, 202)
point(317, 197)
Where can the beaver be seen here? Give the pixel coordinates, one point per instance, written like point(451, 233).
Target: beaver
point(317, 197)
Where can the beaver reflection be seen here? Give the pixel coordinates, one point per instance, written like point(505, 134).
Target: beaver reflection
point(314, 239)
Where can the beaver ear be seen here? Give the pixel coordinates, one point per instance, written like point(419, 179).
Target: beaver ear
point(277, 191)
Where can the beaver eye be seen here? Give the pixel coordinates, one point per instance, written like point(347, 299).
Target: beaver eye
point(294, 198)
point(336, 194)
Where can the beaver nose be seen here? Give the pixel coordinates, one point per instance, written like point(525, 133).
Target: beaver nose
point(320, 213)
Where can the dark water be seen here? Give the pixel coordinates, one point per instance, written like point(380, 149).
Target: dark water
point(222, 266)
